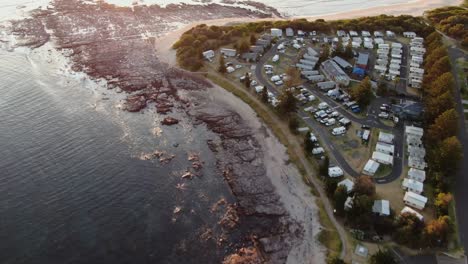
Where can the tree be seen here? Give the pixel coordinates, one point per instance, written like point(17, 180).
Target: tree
point(265, 94)
point(222, 65)
point(362, 93)
point(243, 46)
point(396, 81)
point(441, 85)
point(444, 126)
point(336, 260)
point(364, 185)
point(325, 53)
point(293, 123)
point(253, 39)
point(408, 230)
point(441, 66)
point(247, 80)
point(324, 169)
point(442, 202)
point(360, 215)
point(287, 102)
point(382, 257)
point(308, 144)
point(338, 51)
point(437, 105)
point(348, 53)
point(339, 198)
point(450, 155)
point(293, 77)
point(437, 231)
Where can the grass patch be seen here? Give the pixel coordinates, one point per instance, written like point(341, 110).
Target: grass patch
point(454, 238)
point(383, 171)
point(328, 236)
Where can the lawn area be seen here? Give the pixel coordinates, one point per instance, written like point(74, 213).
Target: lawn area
point(383, 171)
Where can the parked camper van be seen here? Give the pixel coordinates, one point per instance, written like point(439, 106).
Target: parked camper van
point(339, 131)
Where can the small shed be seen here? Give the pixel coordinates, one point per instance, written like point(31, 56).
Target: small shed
point(381, 207)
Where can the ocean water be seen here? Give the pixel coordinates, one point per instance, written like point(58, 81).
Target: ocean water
point(18, 8)
point(73, 188)
point(290, 7)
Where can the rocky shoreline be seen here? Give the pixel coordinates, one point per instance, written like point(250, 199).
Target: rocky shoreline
point(116, 44)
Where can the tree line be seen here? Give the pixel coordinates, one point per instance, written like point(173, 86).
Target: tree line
point(451, 20)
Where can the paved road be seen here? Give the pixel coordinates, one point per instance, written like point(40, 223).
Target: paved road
point(461, 195)
point(371, 120)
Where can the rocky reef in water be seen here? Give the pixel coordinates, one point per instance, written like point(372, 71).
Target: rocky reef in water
point(117, 44)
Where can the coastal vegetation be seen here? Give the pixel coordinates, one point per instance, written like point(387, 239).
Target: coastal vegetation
point(451, 20)
point(202, 37)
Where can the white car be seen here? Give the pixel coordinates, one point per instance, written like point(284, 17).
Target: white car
point(383, 115)
point(279, 83)
point(238, 66)
point(317, 151)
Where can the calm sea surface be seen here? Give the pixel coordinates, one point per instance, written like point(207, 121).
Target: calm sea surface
point(73, 188)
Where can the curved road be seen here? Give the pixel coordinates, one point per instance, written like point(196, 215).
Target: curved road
point(371, 120)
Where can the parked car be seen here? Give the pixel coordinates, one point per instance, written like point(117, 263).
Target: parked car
point(317, 151)
point(365, 127)
point(355, 109)
point(384, 115)
point(330, 122)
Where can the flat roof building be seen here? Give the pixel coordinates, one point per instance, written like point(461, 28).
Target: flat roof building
point(342, 62)
point(371, 167)
point(409, 34)
point(363, 60)
point(417, 175)
point(209, 54)
point(276, 32)
point(409, 210)
point(381, 207)
point(386, 137)
point(385, 148)
point(228, 52)
point(412, 185)
point(349, 184)
point(382, 158)
point(331, 69)
point(289, 32)
point(415, 200)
